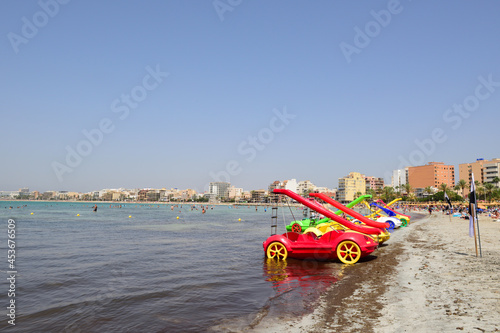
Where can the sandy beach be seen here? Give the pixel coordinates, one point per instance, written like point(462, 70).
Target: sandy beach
point(426, 279)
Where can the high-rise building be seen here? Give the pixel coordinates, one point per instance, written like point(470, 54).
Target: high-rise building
point(218, 190)
point(432, 174)
point(374, 183)
point(351, 185)
point(465, 170)
point(399, 177)
point(492, 171)
point(478, 168)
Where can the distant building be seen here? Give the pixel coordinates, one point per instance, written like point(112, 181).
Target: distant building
point(374, 183)
point(305, 186)
point(142, 195)
point(420, 192)
point(73, 195)
point(399, 177)
point(108, 196)
point(49, 195)
point(290, 185)
point(62, 195)
point(117, 196)
point(258, 196)
point(246, 195)
point(350, 186)
point(491, 171)
point(432, 174)
point(9, 194)
point(153, 195)
point(171, 194)
point(235, 193)
point(465, 171)
point(218, 190)
point(188, 194)
point(332, 193)
point(273, 197)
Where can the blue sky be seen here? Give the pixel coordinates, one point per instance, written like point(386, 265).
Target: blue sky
point(356, 101)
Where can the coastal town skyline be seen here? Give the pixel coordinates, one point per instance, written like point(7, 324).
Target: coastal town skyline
point(248, 93)
point(413, 181)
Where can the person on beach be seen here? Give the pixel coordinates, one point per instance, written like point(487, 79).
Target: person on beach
point(430, 209)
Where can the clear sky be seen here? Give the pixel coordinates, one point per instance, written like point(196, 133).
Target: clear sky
point(108, 94)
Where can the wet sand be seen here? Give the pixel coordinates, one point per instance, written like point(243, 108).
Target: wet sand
point(426, 279)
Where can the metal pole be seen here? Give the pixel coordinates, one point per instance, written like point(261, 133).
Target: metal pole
point(473, 217)
point(479, 237)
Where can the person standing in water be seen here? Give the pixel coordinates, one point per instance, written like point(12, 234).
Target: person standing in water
point(95, 208)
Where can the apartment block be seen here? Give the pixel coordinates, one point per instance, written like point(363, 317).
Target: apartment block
point(432, 174)
point(235, 193)
point(258, 196)
point(218, 190)
point(349, 186)
point(491, 171)
point(483, 170)
point(374, 183)
point(399, 177)
point(305, 186)
point(273, 197)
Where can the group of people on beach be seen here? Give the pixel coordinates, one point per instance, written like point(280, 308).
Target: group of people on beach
point(463, 211)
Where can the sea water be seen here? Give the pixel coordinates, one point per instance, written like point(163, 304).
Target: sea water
point(140, 268)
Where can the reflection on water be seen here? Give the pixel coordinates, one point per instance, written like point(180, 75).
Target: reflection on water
point(298, 284)
point(300, 274)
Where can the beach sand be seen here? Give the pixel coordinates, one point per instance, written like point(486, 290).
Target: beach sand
point(426, 279)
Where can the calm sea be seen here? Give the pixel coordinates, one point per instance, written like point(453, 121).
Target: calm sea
point(107, 272)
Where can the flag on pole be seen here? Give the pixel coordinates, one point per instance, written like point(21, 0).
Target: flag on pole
point(448, 200)
point(472, 201)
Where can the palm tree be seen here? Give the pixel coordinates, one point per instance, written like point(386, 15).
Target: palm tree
point(443, 187)
point(398, 190)
point(428, 190)
point(371, 192)
point(488, 189)
point(496, 181)
point(496, 193)
point(462, 184)
point(357, 195)
point(408, 189)
point(480, 191)
point(388, 193)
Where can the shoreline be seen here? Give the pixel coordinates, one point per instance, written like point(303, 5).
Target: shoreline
point(426, 279)
point(151, 202)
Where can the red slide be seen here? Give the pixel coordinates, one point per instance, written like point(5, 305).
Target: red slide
point(349, 211)
point(322, 210)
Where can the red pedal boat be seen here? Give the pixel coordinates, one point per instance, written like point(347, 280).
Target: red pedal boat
point(347, 247)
